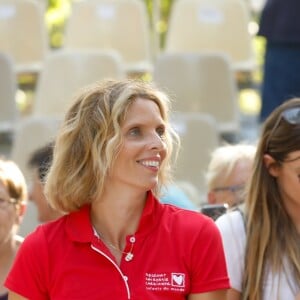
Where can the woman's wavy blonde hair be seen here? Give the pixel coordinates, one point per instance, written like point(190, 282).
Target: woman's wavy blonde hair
point(90, 138)
point(271, 233)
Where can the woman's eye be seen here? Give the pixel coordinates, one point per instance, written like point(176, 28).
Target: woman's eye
point(161, 131)
point(134, 131)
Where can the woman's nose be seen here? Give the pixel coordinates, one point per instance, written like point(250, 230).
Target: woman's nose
point(156, 141)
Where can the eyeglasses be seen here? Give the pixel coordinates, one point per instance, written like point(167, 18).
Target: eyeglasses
point(4, 203)
point(290, 115)
point(230, 188)
point(238, 191)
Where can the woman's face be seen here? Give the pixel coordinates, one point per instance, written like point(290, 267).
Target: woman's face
point(288, 179)
point(143, 148)
point(9, 216)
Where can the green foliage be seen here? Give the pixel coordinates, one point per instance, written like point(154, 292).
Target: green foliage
point(56, 15)
point(58, 12)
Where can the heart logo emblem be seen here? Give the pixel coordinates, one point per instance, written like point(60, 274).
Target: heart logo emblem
point(177, 279)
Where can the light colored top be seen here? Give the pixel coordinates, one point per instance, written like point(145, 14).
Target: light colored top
point(278, 286)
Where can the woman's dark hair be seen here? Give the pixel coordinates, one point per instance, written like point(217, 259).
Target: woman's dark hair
point(41, 160)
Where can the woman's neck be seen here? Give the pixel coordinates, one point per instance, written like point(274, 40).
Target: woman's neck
point(116, 216)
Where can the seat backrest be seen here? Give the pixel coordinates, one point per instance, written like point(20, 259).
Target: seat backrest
point(65, 72)
point(8, 89)
point(23, 33)
point(120, 25)
point(199, 136)
point(201, 83)
point(30, 134)
point(212, 25)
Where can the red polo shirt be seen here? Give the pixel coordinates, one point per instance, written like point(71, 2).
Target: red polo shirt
point(176, 252)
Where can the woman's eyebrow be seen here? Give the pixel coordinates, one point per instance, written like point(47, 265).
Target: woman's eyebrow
point(292, 159)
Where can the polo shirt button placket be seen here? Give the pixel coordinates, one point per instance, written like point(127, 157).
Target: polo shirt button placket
point(129, 256)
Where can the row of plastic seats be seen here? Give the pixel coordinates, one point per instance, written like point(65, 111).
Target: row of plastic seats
point(197, 82)
point(203, 83)
point(63, 74)
point(124, 26)
point(23, 33)
point(212, 26)
point(194, 26)
point(66, 72)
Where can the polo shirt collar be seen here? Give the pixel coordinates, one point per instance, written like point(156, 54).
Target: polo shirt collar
point(79, 227)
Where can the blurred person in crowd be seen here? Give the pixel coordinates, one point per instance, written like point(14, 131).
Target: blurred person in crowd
point(117, 241)
point(262, 244)
point(177, 195)
point(228, 171)
point(280, 25)
point(13, 198)
point(39, 162)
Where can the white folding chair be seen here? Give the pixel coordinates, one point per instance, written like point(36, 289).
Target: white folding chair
point(199, 136)
point(30, 134)
point(120, 25)
point(65, 72)
point(212, 25)
point(201, 83)
point(8, 88)
point(23, 33)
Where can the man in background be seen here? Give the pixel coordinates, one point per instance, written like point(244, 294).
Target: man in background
point(39, 162)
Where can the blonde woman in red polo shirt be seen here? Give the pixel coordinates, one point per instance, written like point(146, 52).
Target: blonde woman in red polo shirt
point(117, 241)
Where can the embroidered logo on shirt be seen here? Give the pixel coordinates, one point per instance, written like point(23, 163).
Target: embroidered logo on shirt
point(177, 279)
point(174, 282)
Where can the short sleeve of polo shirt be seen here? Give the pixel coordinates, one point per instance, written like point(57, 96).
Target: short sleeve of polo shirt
point(28, 275)
point(208, 260)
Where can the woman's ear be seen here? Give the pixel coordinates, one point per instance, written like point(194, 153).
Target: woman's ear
point(21, 208)
point(272, 165)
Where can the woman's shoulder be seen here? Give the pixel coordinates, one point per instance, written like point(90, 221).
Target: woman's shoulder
point(187, 220)
point(232, 221)
point(46, 232)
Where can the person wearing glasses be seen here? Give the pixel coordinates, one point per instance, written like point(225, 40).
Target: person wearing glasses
point(262, 246)
point(227, 173)
point(13, 198)
point(117, 241)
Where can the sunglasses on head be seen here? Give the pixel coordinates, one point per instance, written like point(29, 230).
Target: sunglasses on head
point(290, 115)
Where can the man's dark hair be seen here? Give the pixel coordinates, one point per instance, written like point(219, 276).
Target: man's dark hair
point(41, 159)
